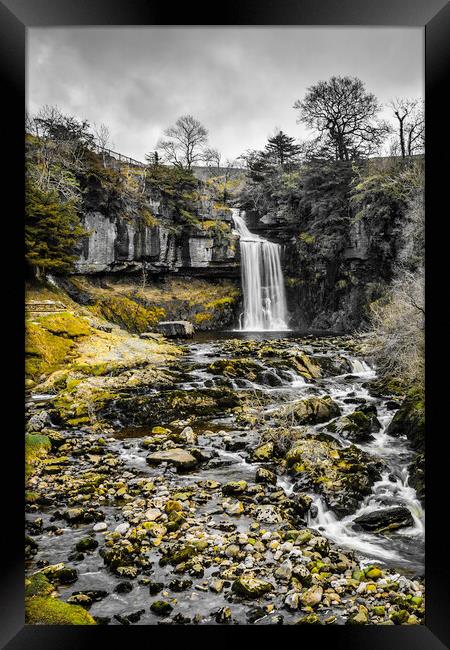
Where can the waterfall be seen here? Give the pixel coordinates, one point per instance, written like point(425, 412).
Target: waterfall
point(262, 281)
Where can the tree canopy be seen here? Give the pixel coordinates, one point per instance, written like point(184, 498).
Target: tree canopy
point(344, 115)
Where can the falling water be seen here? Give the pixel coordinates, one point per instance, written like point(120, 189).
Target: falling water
point(262, 281)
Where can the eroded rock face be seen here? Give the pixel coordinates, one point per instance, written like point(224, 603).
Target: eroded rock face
point(116, 244)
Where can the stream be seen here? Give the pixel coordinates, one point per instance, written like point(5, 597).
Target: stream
point(226, 445)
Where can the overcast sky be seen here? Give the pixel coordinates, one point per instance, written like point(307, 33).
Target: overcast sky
point(240, 83)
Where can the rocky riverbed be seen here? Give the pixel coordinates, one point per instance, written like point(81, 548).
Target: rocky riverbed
point(250, 481)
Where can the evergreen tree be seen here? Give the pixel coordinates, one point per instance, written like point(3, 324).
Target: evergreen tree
point(52, 230)
point(281, 148)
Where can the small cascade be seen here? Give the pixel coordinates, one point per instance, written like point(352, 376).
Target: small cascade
point(262, 281)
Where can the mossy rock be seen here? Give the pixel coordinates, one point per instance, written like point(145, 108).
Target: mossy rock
point(38, 585)
point(65, 324)
point(44, 352)
point(342, 475)
point(250, 587)
point(128, 313)
point(312, 410)
point(36, 447)
point(51, 611)
point(409, 420)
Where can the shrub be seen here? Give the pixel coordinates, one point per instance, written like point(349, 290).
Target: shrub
point(397, 329)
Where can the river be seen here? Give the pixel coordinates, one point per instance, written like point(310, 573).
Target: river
point(225, 445)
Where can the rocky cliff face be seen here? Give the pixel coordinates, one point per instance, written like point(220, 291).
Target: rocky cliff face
point(337, 256)
point(115, 244)
point(171, 225)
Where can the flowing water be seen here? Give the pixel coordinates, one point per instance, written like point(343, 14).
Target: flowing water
point(228, 444)
point(262, 281)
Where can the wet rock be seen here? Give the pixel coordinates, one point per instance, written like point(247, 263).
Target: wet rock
point(233, 508)
point(123, 588)
point(382, 521)
point(292, 601)
point(82, 516)
point(234, 487)
point(189, 436)
point(267, 514)
point(312, 596)
point(179, 458)
point(38, 421)
point(264, 475)
point(86, 544)
point(122, 528)
point(312, 410)
point(357, 426)
point(155, 588)
point(180, 585)
point(60, 574)
point(301, 503)
point(223, 615)
point(310, 619)
point(264, 452)
point(409, 420)
point(343, 475)
point(100, 527)
point(250, 587)
point(94, 595)
point(216, 586)
point(284, 571)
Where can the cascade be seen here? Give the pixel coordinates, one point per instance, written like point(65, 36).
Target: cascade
point(262, 281)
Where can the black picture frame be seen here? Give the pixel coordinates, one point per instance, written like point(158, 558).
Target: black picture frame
point(15, 17)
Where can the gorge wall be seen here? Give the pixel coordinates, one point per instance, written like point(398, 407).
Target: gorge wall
point(343, 232)
point(339, 248)
point(122, 244)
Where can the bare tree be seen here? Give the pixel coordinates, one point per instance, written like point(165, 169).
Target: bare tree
point(344, 114)
point(411, 125)
point(185, 143)
point(212, 158)
point(102, 136)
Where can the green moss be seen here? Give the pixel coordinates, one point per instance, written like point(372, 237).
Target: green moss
point(37, 585)
point(65, 324)
point(149, 219)
point(220, 303)
point(128, 314)
point(50, 611)
point(44, 352)
point(36, 447)
point(202, 317)
point(307, 237)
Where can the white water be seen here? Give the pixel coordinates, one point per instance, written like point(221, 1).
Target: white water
point(262, 281)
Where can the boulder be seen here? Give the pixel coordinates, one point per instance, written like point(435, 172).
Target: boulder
point(312, 410)
point(385, 520)
point(250, 587)
point(178, 457)
point(176, 328)
point(264, 475)
point(312, 596)
point(342, 475)
point(357, 426)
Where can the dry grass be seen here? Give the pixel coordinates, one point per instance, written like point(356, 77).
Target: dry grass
point(397, 329)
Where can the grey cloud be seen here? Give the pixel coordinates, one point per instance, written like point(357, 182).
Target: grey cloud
point(240, 82)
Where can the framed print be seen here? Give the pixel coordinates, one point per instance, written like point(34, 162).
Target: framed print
point(228, 402)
